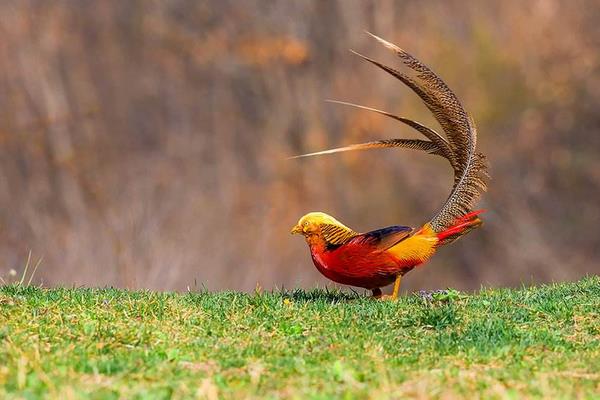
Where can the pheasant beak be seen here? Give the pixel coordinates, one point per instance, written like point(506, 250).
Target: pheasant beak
point(296, 229)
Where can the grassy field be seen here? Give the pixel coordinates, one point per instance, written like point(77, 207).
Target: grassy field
point(104, 343)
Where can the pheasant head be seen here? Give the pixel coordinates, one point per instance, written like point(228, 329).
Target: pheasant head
point(318, 227)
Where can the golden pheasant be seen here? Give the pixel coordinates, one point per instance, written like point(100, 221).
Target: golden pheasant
point(375, 259)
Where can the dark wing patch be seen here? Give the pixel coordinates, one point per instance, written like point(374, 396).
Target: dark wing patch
point(385, 238)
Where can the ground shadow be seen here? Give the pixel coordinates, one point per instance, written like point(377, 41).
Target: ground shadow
point(322, 295)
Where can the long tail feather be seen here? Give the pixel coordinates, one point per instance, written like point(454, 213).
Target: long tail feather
point(414, 144)
point(461, 227)
point(470, 169)
point(429, 133)
point(455, 217)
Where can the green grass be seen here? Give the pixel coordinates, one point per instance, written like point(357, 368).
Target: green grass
point(105, 343)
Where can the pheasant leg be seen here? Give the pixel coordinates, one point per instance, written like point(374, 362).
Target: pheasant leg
point(394, 295)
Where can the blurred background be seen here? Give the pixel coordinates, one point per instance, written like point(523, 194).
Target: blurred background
point(143, 144)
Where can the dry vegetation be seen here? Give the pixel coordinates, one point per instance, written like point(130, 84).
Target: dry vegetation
point(144, 142)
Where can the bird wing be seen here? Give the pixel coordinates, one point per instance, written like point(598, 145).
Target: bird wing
point(384, 238)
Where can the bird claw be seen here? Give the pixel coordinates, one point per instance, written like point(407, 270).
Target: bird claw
point(387, 297)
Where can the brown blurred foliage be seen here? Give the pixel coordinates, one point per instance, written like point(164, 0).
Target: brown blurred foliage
point(144, 143)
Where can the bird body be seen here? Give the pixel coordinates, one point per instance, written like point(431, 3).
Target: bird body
point(362, 262)
point(375, 259)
